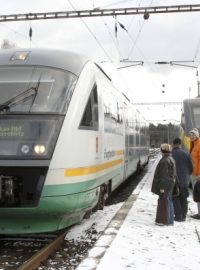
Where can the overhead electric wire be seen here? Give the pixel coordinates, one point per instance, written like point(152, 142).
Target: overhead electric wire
point(133, 17)
point(90, 31)
point(16, 32)
point(134, 42)
point(138, 35)
point(114, 3)
point(115, 41)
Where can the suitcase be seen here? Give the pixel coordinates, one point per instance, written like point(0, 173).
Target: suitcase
point(162, 212)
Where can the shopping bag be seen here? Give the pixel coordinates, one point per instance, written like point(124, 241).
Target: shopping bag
point(162, 212)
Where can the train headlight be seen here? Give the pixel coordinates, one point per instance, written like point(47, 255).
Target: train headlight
point(39, 149)
point(25, 149)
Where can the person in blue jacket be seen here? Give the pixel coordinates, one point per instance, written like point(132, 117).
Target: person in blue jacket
point(184, 168)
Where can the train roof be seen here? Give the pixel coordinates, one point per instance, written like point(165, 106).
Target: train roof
point(44, 57)
point(195, 100)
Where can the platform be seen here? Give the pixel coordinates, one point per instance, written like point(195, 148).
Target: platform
point(137, 243)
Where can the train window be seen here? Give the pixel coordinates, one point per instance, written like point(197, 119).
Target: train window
point(33, 89)
point(113, 113)
point(90, 119)
point(119, 112)
point(196, 111)
point(87, 117)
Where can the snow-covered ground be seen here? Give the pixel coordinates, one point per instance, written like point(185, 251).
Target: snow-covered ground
point(140, 244)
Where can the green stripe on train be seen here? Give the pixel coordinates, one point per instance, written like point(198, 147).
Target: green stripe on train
point(57, 208)
point(64, 189)
point(52, 213)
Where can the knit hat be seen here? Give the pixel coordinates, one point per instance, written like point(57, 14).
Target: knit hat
point(195, 132)
point(165, 148)
point(177, 141)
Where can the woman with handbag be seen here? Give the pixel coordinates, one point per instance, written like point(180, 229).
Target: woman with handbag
point(163, 185)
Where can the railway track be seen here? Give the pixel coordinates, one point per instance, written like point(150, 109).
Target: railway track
point(28, 251)
point(43, 254)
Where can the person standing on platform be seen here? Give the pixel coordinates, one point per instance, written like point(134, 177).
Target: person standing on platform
point(195, 155)
point(184, 169)
point(163, 184)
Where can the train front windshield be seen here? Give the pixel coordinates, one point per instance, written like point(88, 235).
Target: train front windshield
point(33, 103)
point(35, 89)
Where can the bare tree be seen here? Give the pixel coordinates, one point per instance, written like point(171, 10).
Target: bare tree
point(7, 44)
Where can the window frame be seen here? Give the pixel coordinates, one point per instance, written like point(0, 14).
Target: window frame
point(94, 110)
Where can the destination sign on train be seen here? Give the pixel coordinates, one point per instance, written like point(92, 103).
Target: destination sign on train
point(10, 130)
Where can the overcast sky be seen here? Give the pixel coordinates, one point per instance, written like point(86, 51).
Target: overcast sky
point(163, 37)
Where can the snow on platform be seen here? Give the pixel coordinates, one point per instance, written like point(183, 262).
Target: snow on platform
point(140, 244)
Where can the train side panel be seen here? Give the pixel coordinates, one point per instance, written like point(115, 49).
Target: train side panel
point(89, 158)
point(112, 130)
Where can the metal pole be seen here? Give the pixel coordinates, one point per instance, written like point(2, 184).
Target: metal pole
point(168, 133)
point(197, 74)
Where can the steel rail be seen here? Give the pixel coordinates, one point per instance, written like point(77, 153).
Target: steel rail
point(43, 254)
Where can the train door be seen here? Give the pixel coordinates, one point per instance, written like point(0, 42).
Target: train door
point(126, 154)
point(137, 138)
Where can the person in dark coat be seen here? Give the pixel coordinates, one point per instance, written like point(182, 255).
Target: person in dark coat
point(164, 179)
point(184, 168)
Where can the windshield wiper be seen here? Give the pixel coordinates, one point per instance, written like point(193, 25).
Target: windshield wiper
point(25, 95)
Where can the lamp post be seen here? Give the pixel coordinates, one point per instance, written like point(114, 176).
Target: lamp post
point(167, 125)
point(197, 74)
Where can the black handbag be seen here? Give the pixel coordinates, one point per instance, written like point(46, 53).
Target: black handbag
point(162, 211)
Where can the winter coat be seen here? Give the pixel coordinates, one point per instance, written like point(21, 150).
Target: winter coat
point(184, 166)
point(164, 177)
point(195, 155)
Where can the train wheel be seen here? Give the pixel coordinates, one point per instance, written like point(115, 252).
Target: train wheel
point(139, 167)
point(103, 196)
point(88, 214)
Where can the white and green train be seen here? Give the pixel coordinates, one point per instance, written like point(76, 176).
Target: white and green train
point(68, 138)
